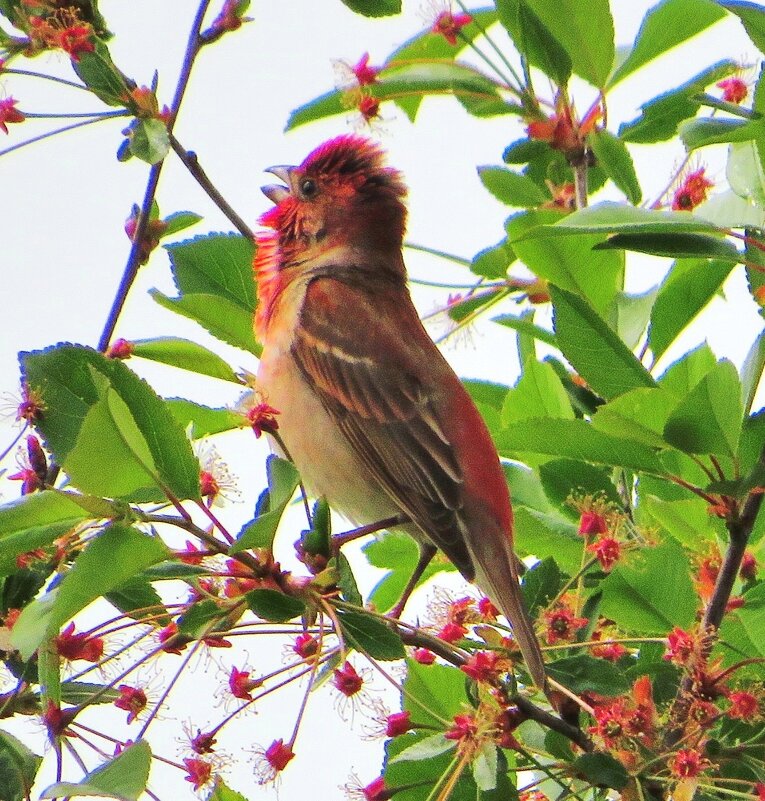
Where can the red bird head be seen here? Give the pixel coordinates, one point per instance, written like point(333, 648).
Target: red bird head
point(341, 202)
point(341, 194)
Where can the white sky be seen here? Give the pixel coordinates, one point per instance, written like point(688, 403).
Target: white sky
point(63, 248)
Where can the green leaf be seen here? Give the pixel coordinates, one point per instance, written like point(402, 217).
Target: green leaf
point(752, 18)
point(80, 692)
point(661, 116)
point(602, 770)
point(539, 393)
point(583, 673)
point(283, 479)
point(428, 46)
point(274, 606)
point(675, 246)
point(409, 80)
point(493, 262)
point(575, 439)
point(708, 419)
point(510, 187)
point(436, 77)
point(534, 40)
point(98, 72)
point(370, 636)
point(566, 478)
point(149, 140)
point(326, 105)
point(107, 428)
point(568, 262)
point(124, 777)
point(186, 355)
point(686, 520)
point(615, 159)
point(346, 581)
point(687, 289)
point(523, 326)
point(586, 31)
point(34, 521)
point(540, 585)
point(222, 318)
point(704, 131)
point(109, 560)
point(172, 570)
point(487, 105)
point(18, 768)
point(745, 173)
point(374, 8)
point(222, 792)
point(180, 221)
point(203, 420)
point(629, 315)
point(752, 616)
point(593, 349)
point(751, 372)
point(618, 218)
point(685, 373)
point(638, 415)
point(485, 767)
point(547, 535)
point(433, 693)
point(666, 25)
point(213, 275)
point(426, 748)
point(486, 393)
point(138, 599)
point(397, 553)
point(652, 593)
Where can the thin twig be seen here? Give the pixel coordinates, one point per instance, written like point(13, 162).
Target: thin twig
point(580, 181)
point(63, 129)
point(191, 162)
point(134, 257)
point(419, 639)
point(740, 528)
point(338, 540)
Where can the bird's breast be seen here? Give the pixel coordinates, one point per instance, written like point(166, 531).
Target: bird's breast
point(327, 463)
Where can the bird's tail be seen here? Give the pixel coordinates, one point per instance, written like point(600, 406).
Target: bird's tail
point(497, 574)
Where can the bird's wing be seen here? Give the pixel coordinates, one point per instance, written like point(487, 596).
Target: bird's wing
point(368, 376)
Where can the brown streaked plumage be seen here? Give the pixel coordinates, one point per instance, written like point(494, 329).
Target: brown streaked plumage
point(371, 412)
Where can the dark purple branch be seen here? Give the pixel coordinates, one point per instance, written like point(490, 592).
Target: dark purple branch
point(134, 258)
point(420, 639)
point(740, 527)
point(191, 162)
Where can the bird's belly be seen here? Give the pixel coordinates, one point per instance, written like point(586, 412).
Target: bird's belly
point(327, 463)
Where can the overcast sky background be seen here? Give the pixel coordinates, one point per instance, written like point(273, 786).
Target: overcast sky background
point(63, 248)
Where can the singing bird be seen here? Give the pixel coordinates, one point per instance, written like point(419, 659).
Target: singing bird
point(371, 413)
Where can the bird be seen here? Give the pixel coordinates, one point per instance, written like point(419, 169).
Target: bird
point(370, 412)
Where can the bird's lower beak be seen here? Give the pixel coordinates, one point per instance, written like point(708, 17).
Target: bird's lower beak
point(276, 193)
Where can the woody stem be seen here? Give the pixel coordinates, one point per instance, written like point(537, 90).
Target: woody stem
point(191, 162)
point(740, 527)
point(134, 257)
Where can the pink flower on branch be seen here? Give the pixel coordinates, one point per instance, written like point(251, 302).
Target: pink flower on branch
point(449, 25)
point(9, 113)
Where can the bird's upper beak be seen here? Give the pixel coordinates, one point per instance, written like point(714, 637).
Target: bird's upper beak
point(276, 193)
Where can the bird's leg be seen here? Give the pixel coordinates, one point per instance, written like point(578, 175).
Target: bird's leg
point(427, 552)
point(349, 536)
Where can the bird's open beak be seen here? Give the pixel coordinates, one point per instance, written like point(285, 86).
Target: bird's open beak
point(276, 193)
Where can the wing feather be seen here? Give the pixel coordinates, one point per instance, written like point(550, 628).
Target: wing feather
point(369, 382)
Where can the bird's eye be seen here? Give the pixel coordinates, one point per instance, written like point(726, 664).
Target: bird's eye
point(308, 187)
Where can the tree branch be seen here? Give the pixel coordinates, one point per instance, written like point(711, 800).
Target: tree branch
point(740, 528)
point(420, 639)
point(191, 162)
point(134, 257)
